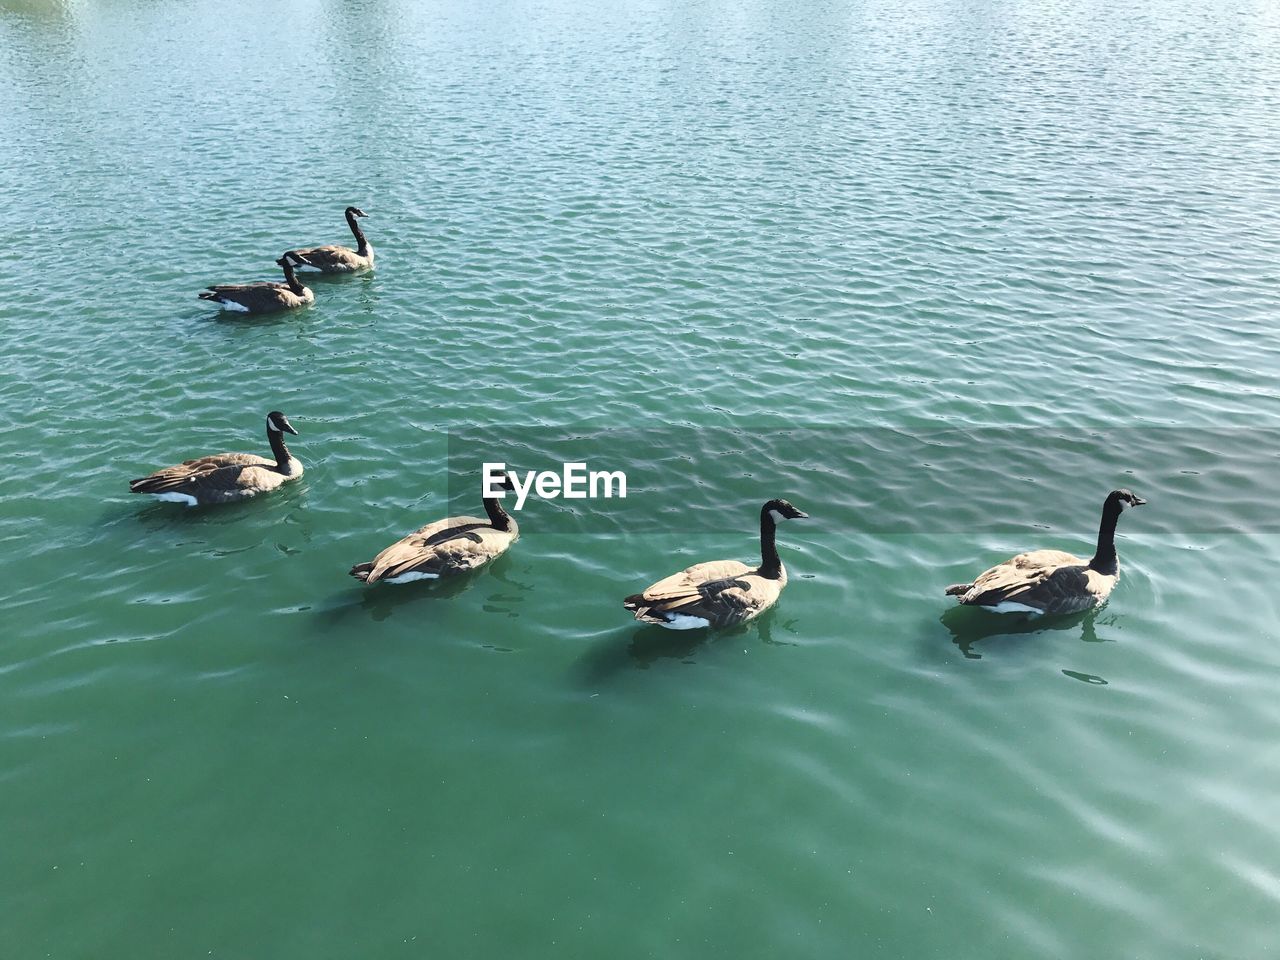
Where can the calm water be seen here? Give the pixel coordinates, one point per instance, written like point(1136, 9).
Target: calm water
point(942, 272)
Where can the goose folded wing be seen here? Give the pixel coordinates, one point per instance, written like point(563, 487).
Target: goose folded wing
point(331, 257)
point(236, 290)
point(736, 598)
point(688, 588)
point(1046, 579)
point(446, 545)
point(198, 466)
point(208, 475)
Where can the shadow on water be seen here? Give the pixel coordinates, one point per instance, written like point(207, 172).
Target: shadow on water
point(507, 599)
point(272, 318)
point(640, 647)
point(996, 631)
point(380, 601)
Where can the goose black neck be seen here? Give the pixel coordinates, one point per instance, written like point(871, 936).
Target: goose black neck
point(1104, 558)
point(292, 280)
point(363, 244)
point(497, 516)
point(281, 452)
point(770, 562)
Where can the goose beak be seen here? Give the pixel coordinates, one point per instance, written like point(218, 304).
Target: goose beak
point(801, 515)
point(1138, 501)
point(288, 428)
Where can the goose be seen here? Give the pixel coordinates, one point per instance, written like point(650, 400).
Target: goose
point(266, 296)
point(226, 477)
point(449, 546)
point(721, 593)
point(1051, 581)
point(336, 259)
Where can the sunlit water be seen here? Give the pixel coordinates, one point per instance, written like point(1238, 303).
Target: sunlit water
point(942, 273)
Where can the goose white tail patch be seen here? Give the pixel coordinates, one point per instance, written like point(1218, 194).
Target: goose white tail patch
point(1009, 606)
point(306, 268)
point(186, 498)
point(411, 577)
point(682, 621)
point(232, 306)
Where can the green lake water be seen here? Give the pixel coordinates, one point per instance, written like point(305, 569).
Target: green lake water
point(942, 273)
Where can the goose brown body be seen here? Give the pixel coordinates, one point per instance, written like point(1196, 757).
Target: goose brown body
point(453, 545)
point(335, 258)
point(721, 593)
point(442, 548)
point(225, 477)
point(1046, 581)
point(264, 297)
point(1052, 581)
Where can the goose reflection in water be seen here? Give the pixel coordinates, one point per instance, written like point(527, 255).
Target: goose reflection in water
point(969, 627)
point(380, 605)
point(642, 648)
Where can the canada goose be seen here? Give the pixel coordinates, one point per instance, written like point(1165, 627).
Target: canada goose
point(1050, 581)
point(266, 296)
point(336, 259)
point(226, 477)
point(723, 592)
point(449, 546)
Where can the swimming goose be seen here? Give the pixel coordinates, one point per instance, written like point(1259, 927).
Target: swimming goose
point(226, 477)
point(266, 296)
point(1050, 581)
point(449, 546)
point(723, 592)
point(336, 259)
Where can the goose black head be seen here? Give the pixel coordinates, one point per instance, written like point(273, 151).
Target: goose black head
point(783, 510)
point(293, 258)
point(278, 422)
point(1125, 499)
point(355, 212)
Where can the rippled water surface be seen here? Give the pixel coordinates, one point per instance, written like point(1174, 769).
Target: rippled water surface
point(944, 273)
